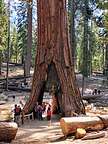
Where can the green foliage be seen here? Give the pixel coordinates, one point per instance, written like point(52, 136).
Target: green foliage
point(22, 32)
point(103, 4)
point(34, 44)
point(14, 53)
point(92, 58)
point(22, 29)
point(104, 33)
point(97, 62)
point(3, 26)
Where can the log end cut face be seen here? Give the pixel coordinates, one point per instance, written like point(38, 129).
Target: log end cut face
point(8, 131)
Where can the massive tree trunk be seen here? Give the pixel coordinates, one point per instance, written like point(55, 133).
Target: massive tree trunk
point(54, 49)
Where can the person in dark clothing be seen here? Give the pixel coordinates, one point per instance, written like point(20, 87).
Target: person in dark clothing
point(35, 111)
point(94, 91)
point(99, 92)
point(17, 113)
point(13, 97)
point(39, 112)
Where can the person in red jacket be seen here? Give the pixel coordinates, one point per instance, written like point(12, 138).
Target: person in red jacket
point(49, 114)
point(17, 114)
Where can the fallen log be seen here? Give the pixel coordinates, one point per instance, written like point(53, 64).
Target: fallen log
point(69, 125)
point(8, 131)
point(13, 81)
point(18, 88)
point(88, 97)
point(18, 77)
point(94, 135)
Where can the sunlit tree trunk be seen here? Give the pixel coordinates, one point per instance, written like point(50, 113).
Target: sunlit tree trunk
point(54, 48)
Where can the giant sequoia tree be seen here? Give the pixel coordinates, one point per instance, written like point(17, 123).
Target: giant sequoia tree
point(54, 55)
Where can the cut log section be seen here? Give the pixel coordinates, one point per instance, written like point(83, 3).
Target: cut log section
point(80, 133)
point(69, 125)
point(8, 131)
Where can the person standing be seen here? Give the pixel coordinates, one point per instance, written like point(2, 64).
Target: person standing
point(17, 113)
point(13, 98)
point(49, 114)
point(35, 111)
point(39, 112)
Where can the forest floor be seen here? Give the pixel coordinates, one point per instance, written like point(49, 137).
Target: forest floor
point(38, 132)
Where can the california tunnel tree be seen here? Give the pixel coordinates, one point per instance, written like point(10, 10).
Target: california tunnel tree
point(54, 51)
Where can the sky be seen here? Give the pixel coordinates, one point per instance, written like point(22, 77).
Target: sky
point(13, 12)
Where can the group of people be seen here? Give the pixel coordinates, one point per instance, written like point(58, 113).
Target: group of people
point(39, 111)
point(42, 109)
point(96, 91)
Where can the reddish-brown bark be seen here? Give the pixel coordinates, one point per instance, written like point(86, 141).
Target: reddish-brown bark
point(53, 47)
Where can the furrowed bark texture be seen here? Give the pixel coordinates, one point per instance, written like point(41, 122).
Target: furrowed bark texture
point(53, 47)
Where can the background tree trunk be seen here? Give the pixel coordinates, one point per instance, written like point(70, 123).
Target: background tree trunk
point(29, 40)
point(72, 30)
point(85, 41)
point(53, 47)
point(106, 61)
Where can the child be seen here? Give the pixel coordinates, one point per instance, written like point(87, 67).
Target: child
point(49, 115)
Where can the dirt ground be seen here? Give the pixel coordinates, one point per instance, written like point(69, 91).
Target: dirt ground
point(38, 132)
